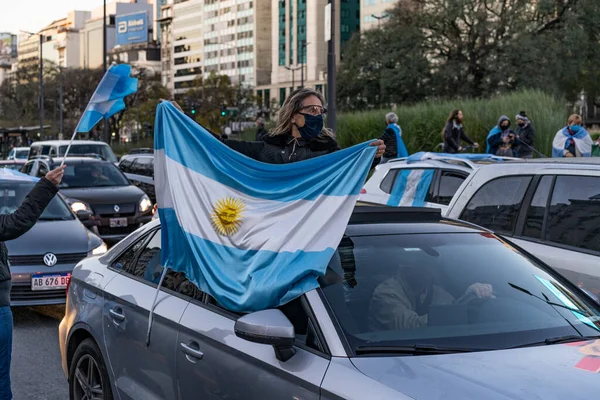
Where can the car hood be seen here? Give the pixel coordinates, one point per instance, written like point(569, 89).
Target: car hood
point(105, 195)
point(59, 237)
point(564, 371)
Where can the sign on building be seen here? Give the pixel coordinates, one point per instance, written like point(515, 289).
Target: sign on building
point(132, 28)
point(8, 45)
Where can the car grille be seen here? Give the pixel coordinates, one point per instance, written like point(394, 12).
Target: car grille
point(72, 258)
point(108, 210)
point(106, 230)
point(24, 293)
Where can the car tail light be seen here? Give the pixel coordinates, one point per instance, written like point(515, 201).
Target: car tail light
point(363, 191)
point(68, 284)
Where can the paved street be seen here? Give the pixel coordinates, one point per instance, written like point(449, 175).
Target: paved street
point(36, 370)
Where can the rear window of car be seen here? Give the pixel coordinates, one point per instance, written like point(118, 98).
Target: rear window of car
point(423, 289)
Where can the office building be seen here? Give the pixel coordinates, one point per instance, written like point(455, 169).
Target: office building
point(8, 54)
point(298, 47)
point(166, 46)
point(187, 43)
point(374, 12)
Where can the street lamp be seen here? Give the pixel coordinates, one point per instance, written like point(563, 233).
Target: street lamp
point(41, 81)
point(293, 74)
point(379, 18)
point(302, 54)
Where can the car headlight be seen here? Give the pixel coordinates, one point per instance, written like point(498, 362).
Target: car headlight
point(145, 204)
point(78, 205)
point(98, 251)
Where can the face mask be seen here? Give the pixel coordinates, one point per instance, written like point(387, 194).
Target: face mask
point(521, 124)
point(313, 125)
point(575, 128)
point(504, 127)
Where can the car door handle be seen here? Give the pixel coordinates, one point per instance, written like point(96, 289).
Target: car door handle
point(116, 314)
point(190, 351)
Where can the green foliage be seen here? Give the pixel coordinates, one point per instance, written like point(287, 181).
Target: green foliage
point(422, 123)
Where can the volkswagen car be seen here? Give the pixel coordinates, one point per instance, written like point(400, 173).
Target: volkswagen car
point(400, 314)
point(41, 261)
point(97, 188)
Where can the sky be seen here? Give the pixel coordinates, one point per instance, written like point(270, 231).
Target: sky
point(33, 15)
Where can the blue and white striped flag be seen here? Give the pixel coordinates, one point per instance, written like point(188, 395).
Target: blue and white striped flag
point(107, 99)
point(252, 235)
point(411, 187)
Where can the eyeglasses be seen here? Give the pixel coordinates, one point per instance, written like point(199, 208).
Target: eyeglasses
point(313, 110)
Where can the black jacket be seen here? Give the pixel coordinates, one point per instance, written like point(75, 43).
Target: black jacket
point(16, 224)
point(526, 140)
point(260, 133)
point(452, 137)
point(391, 146)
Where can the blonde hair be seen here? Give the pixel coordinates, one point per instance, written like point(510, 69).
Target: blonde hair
point(293, 105)
point(575, 119)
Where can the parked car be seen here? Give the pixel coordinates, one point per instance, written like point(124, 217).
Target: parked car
point(18, 153)
point(139, 169)
point(58, 148)
point(326, 344)
point(141, 150)
point(16, 165)
point(41, 260)
point(98, 189)
point(422, 180)
point(550, 207)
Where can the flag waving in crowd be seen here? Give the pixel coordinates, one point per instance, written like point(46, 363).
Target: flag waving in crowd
point(252, 235)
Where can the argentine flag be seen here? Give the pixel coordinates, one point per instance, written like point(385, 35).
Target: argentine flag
point(250, 234)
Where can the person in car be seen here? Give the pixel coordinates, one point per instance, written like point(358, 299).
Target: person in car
point(392, 138)
point(11, 227)
point(299, 133)
point(453, 133)
point(403, 301)
point(572, 140)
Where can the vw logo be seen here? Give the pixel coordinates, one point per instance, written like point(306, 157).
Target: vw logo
point(50, 259)
point(117, 208)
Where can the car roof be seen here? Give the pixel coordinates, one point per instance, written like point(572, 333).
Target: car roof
point(72, 160)
point(20, 148)
point(66, 142)
point(15, 161)
point(558, 161)
point(541, 165)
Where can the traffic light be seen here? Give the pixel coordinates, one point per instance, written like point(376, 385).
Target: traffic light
point(193, 108)
point(223, 111)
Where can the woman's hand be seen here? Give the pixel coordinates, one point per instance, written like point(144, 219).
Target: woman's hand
point(476, 145)
point(55, 176)
point(380, 148)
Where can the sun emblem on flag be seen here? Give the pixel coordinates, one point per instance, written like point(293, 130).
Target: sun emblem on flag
point(227, 215)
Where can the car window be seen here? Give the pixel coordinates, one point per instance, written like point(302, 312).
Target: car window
point(388, 182)
point(27, 167)
point(574, 212)
point(125, 165)
point(101, 149)
point(423, 290)
point(53, 152)
point(35, 151)
point(497, 203)
point(93, 175)
point(42, 170)
point(12, 195)
point(536, 212)
point(143, 166)
point(449, 184)
point(45, 150)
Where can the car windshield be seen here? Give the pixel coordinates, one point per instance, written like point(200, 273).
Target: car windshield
point(22, 154)
point(455, 290)
point(93, 175)
point(81, 149)
point(12, 195)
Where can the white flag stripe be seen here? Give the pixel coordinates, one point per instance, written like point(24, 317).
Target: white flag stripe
point(413, 179)
point(266, 224)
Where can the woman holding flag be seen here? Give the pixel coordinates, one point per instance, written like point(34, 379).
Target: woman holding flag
point(300, 133)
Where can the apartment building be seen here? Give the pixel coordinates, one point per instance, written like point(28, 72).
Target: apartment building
point(373, 12)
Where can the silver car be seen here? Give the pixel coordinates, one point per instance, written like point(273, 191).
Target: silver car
point(550, 207)
point(412, 307)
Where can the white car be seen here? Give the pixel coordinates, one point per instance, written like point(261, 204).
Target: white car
point(18, 153)
point(423, 179)
point(549, 207)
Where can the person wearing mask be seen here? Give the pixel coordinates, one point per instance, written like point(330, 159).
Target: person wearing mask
point(261, 131)
point(572, 140)
point(525, 136)
point(392, 138)
point(501, 139)
point(11, 227)
point(299, 133)
point(403, 301)
point(453, 133)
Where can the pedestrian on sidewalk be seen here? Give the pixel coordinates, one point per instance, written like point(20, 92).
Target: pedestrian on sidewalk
point(572, 140)
point(11, 227)
point(261, 130)
point(525, 136)
point(392, 138)
point(453, 133)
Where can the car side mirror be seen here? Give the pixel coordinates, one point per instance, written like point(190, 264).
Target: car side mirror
point(268, 327)
point(83, 215)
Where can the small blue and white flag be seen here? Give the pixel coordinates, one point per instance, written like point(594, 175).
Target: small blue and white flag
point(107, 99)
point(250, 234)
point(411, 187)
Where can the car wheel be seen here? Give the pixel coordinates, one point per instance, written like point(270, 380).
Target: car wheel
point(88, 376)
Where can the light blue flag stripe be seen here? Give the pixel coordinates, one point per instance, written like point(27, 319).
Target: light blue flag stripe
point(196, 149)
point(405, 191)
point(423, 188)
point(399, 188)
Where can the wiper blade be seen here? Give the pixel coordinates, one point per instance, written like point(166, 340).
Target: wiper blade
point(416, 349)
point(557, 340)
point(547, 300)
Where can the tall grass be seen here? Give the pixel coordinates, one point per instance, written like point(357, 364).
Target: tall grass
point(422, 123)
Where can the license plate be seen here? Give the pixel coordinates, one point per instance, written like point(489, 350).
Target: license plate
point(118, 222)
point(49, 281)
